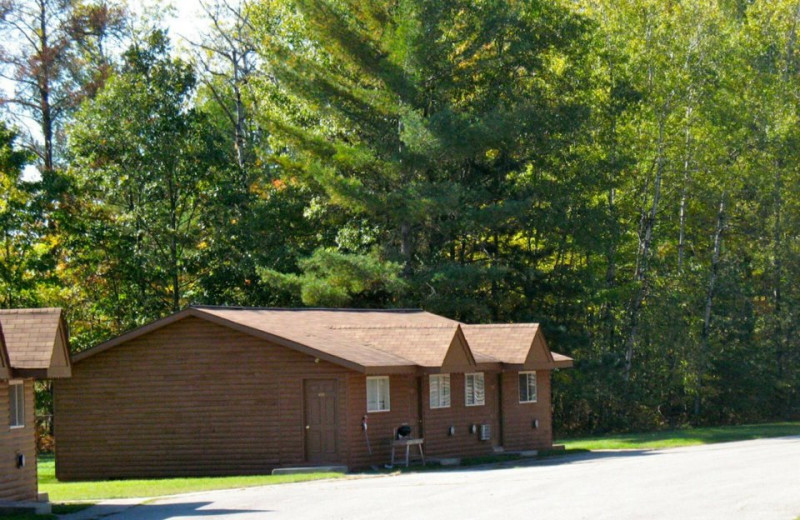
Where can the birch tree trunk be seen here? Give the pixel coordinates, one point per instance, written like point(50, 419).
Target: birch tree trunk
point(710, 292)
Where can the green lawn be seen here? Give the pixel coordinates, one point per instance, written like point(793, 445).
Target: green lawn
point(101, 490)
point(684, 437)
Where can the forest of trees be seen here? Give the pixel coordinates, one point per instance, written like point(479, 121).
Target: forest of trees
point(624, 172)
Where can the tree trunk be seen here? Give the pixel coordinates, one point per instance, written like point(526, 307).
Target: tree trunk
point(685, 188)
point(646, 226)
point(405, 248)
point(777, 268)
point(702, 355)
point(43, 82)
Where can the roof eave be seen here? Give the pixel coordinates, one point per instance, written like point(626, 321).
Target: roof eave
point(517, 367)
point(391, 370)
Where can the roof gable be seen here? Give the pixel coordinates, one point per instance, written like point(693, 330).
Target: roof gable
point(36, 341)
point(518, 344)
point(459, 356)
point(538, 354)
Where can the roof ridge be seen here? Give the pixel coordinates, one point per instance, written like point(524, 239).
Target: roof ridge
point(384, 327)
point(31, 310)
point(504, 325)
point(328, 309)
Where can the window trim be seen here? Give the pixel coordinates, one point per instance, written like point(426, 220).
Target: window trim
point(535, 386)
point(443, 378)
point(474, 394)
point(16, 383)
point(388, 393)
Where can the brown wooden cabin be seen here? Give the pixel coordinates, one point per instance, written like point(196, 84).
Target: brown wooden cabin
point(33, 345)
point(223, 390)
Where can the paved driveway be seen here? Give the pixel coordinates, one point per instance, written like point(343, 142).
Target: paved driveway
point(743, 480)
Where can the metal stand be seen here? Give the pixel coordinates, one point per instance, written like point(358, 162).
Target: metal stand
point(407, 443)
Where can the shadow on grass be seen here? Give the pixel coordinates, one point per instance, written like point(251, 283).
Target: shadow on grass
point(501, 462)
point(155, 511)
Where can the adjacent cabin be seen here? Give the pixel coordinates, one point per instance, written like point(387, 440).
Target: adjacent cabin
point(224, 390)
point(33, 345)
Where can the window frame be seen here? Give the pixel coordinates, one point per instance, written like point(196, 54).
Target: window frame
point(388, 390)
point(16, 403)
point(441, 379)
point(474, 393)
point(527, 375)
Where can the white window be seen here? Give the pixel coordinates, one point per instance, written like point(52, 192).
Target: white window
point(527, 387)
point(440, 391)
point(378, 394)
point(16, 401)
point(474, 392)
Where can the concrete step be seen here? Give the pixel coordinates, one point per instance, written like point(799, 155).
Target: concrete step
point(454, 461)
point(309, 469)
point(13, 508)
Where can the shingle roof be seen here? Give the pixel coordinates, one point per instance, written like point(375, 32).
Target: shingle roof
point(363, 339)
point(422, 345)
point(313, 328)
point(34, 338)
point(509, 343)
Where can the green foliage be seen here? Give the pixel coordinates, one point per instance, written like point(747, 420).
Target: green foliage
point(333, 279)
point(624, 173)
point(146, 164)
point(23, 251)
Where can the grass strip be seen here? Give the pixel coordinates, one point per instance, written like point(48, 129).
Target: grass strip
point(683, 437)
point(139, 488)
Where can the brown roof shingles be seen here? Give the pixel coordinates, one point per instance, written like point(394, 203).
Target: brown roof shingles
point(423, 345)
point(364, 338)
point(30, 336)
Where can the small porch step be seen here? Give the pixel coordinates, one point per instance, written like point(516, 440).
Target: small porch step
point(13, 508)
point(309, 469)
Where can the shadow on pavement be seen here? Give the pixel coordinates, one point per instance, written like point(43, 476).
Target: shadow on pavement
point(161, 511)
point(551, 460)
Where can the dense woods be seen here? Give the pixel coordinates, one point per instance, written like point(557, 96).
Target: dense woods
point(625, 173)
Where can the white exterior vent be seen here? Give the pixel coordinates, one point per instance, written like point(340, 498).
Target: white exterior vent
point(486, 432)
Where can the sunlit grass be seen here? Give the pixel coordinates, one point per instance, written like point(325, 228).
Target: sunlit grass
point(108, 489)
point(684, 437)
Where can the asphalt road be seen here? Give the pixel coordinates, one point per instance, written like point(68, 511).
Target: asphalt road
point(757, 479)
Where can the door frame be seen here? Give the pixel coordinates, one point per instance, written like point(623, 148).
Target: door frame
point(336, 421)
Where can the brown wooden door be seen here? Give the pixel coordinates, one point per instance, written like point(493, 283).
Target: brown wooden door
point(321, 421)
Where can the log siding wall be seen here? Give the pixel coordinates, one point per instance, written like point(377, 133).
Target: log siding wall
point(17, 483)
point(195, 398)
point(518, 431)
point(437, 422)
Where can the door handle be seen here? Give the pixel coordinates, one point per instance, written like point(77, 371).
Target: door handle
point(308, 427)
